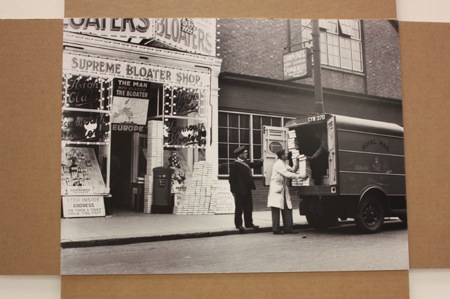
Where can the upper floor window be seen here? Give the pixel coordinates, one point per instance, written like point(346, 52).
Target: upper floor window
point(340, 43)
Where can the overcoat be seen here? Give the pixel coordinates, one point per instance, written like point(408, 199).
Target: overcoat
point(241, 179)
point(279, 185)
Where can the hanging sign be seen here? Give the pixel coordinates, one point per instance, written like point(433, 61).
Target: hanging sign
point(115, 28)
point(190, 35)
point(297, 64)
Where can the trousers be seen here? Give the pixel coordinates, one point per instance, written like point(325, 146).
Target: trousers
point(243, 203)
point(286, 213)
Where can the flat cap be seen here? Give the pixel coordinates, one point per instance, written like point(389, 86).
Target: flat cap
point(239, 150)
point(281, 152)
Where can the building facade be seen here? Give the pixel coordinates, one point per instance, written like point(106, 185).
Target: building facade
point(139, 94)
point(360, 77)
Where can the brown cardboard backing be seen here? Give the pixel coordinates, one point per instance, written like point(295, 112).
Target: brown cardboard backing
point(30, 85)
point(356, 9)
point(349, 285)
point(425, 57)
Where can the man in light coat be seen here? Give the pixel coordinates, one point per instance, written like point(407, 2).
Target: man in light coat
point(279, 199)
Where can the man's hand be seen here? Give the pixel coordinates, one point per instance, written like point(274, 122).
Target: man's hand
point(303, 177)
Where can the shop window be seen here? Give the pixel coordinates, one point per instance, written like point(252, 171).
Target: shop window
point(242, 129)
point(340, 42)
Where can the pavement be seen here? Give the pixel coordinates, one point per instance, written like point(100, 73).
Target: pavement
point(127, 227)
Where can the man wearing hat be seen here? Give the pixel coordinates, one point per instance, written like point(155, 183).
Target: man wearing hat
point(279, 199)
point(241, 185)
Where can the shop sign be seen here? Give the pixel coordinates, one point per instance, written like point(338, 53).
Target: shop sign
point(184, 102)
point(73, 63)
point(178, 133)
point(83, 206)
point(83, 126)
point(82, 92)
point(131, 88)
point(190, 35)
point(128, 128)
point(115, 28)
point(297, 64)
point(225, 199)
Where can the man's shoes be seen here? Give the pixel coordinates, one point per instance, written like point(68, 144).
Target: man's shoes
point(278, 232)
point(253, 226)
point(241, 229)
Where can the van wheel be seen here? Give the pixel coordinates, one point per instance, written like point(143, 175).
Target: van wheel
point(370, 216)
point(320, 220)
point(318, 214)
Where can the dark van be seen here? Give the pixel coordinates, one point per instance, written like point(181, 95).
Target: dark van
point(356, 168)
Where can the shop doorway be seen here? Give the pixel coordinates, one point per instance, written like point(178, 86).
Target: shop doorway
point(121, 149)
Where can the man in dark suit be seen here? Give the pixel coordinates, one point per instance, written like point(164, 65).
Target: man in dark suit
point(241, 185)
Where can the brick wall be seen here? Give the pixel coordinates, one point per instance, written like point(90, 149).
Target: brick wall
point(252, 47)
point(382, 52)
point(255, 48)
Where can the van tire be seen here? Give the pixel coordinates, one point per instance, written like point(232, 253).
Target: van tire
point(370, 215)
point(320, 216)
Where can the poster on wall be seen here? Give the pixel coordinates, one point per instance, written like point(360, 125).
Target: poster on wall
point(129, 111)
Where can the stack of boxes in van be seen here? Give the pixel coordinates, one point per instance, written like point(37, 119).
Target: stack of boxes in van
point(304, 168)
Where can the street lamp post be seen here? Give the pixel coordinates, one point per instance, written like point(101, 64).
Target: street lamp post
point(318, 93)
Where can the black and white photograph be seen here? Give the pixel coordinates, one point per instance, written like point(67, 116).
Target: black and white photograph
point(232, 146)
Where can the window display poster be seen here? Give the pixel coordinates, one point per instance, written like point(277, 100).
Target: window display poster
point(84, 126)
point(130, 101)
point(80, 172)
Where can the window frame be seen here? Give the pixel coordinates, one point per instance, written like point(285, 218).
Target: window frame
point(340, 42)
point(251, 145)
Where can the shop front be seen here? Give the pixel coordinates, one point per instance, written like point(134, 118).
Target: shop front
point(139, 96)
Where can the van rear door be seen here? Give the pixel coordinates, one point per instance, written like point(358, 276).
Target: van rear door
point(331, 133)
point(274, 139)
